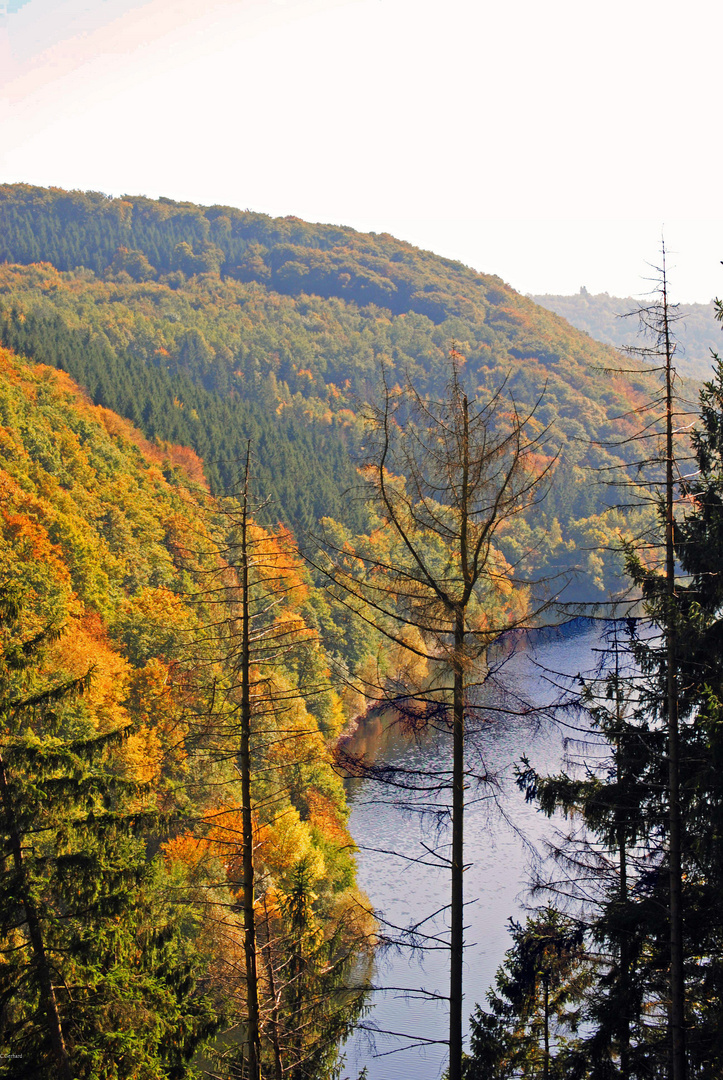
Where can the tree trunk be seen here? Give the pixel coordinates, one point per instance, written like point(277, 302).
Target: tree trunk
point(622, 841)
point(546, 986)
point(677, 976)
point(464, 474)
point(458, 734)
point(35, 933)
point(624, 946)
point(244, 762)
point(278, 1070)
point(457, 897)
point(296, 971)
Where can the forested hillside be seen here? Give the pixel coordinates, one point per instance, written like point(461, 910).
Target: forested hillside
point(208, 326)
point(121, 900)
point(604, 318)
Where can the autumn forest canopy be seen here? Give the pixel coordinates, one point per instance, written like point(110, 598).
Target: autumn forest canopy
point(209, 326)
point(260, 477)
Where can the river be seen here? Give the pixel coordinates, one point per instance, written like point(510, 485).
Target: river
point(501, 838)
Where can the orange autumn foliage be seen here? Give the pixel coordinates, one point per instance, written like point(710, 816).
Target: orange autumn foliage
point(84, 648)
point(324, 815)
point(220, 840)
point(159, 452)
point(276, 559)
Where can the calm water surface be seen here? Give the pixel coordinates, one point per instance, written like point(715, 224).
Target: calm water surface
point(404, 892)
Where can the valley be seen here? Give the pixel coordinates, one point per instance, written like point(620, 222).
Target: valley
point(262, 480)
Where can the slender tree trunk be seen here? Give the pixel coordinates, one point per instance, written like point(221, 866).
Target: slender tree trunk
point(35, 933)
point(464, 475)
point(296, 969)
point(458, 733)
point(677, 976)
point(244, 762)
point(622, 840)
point(457, 898)
point(278, 1070)
point(546, 1067)
point(624, 947)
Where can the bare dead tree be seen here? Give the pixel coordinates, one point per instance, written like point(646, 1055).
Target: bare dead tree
point(444, 478)
point(255, 726)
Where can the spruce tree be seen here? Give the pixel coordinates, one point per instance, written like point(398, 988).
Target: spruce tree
point(535, 1007)
point(95, 978)
point(605, 865)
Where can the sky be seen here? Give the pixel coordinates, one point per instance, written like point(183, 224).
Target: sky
point(552, 143)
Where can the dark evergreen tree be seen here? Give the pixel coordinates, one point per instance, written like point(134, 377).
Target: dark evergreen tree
point(535, 1007)
point(699, 547)
point(652, 818)
point(607, 866)
point(95, 976)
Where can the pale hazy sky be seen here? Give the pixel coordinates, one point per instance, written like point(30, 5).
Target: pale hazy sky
point(547, 142)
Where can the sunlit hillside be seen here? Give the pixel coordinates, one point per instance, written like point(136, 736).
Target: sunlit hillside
point(209, 326)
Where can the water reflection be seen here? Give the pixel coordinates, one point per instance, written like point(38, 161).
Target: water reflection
point(399, 848)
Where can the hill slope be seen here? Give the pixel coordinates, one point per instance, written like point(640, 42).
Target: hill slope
point(102, 533)
point(602, 316)
point(209, 326)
